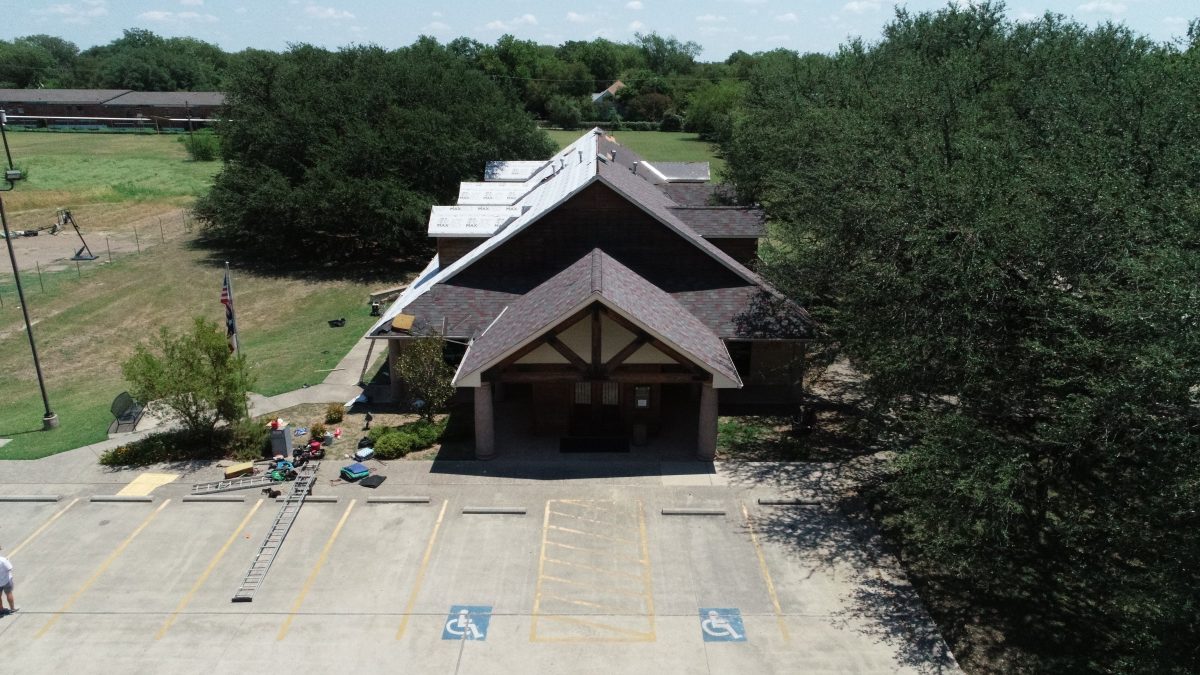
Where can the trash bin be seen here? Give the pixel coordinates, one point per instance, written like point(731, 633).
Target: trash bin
point(281, 441)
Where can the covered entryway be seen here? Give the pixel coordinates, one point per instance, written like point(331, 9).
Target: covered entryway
point(596, 348)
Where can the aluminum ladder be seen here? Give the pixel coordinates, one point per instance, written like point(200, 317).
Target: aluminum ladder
point(242, 483)
point(301, 487)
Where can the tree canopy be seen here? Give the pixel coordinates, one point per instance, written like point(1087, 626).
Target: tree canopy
point(996, 222)
point(339, 153)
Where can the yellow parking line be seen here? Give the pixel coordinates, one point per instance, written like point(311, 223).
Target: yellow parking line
point(648, 637)
point(598, 552)
point(41, 529)
point(611, 609)
point(207, 571)
point(607, 523)
point(647, 577)
point(593, 568)
point(312, 577)
point(762, 564)
point(593, 587)
point(537, 594)
point(591, 534)
point(100, 570)
point(412, 597)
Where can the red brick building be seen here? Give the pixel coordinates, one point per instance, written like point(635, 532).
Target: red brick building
point(601, 296)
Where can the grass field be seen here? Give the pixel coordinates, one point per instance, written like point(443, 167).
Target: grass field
point(663, 146)
point(87, 325)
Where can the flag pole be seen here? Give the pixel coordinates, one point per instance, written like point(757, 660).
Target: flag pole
point(237, 342)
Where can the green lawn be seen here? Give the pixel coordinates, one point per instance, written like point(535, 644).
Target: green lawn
point(85, 327)
point(662, 146)
point(70, 169)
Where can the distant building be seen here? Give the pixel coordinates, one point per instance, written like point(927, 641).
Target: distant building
point(110, 107)
point(599, 295)
point(608, 94)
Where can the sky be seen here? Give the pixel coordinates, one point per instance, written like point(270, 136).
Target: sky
point(719, 26)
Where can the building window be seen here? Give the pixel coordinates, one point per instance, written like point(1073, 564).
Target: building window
point(610, 394)
point(583, 393)
point(641, 397)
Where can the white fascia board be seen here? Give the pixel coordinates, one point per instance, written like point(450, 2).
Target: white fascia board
point(474, 378)
point(720, 381)
point(416, 288)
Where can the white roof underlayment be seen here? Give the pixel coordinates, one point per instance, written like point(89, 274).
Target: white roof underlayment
point(470, 221)
point(565, 174)
point(511, 170)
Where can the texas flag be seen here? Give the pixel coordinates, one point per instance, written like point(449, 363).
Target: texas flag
point(230, 322)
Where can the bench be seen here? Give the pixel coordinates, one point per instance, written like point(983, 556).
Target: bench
point(127, 413)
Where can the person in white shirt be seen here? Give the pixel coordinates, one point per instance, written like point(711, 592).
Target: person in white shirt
point(6, 584)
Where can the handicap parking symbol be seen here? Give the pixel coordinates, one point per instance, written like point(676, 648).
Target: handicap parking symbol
point(721, 625)
point(467, 622)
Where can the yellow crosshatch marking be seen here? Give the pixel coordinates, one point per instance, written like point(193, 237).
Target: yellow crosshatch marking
point(594, 581)
point(145, 483)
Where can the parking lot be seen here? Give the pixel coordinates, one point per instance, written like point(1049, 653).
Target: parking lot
point(656, 573)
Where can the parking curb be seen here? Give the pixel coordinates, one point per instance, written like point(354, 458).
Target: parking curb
point(30, 498)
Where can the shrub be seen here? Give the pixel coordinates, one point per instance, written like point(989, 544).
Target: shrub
point(396, 442)
point(563, 112)
point(248, 441)
point(169, 446)
point(334, 413)
point(317, 430)
point(202, 146)
point(671, 122)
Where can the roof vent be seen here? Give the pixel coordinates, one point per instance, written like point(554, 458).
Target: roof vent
point(580, 156)
point(635, 166)
point(613, 153)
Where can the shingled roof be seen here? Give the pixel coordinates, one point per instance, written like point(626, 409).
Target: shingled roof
point(723, 221)
point(597, 277)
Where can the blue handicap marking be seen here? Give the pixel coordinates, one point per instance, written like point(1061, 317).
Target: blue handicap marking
point(467, 622)
point(721, 625)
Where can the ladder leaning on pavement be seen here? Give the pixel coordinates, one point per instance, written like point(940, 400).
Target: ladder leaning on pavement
point(243, 483)
point(279, 529)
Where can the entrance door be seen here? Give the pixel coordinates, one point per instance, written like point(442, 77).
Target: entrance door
point(597, 410)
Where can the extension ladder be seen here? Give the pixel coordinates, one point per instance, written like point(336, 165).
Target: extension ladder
point(301, 487)
point(243, 483)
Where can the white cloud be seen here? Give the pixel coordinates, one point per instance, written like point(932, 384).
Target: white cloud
point(714, 30)
point(194, 3)
point(177, 17)
point(435, 27)
point(1175, 21)
point(328, 13)
point(523, 20)
point(790, 17)
point(576, 17)
point(776, 38)
point(634, 4)
point(1103, 6)
point(437, 15)
point(710, 18)
point(240, 10)
point(77, 13)
point(860, 6)
point(637, 25)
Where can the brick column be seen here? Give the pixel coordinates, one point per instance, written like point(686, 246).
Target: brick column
point(706, 439)
point(485, 428)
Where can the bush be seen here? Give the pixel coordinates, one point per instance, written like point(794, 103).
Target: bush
point(396, 442)
point(317, 430)
point(671, 122)
point(563, 112)
point(334, 413)
point(202, 146)
point(248, 441)
point(169, 446)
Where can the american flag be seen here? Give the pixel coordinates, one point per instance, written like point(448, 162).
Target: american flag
point(230, 322)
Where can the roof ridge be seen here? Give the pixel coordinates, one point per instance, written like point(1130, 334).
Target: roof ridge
point(597, 271)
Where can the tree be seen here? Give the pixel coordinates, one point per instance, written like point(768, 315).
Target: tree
point(711, 109)
point(564, 112)
point(427, 376)
point(192, 375)
point(995, 222)
point(667, 55)
point(24, 65)
point(344, 152)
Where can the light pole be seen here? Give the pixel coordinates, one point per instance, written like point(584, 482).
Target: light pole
point(11, 176)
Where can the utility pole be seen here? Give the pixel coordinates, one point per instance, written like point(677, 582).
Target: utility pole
point(11, 176)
